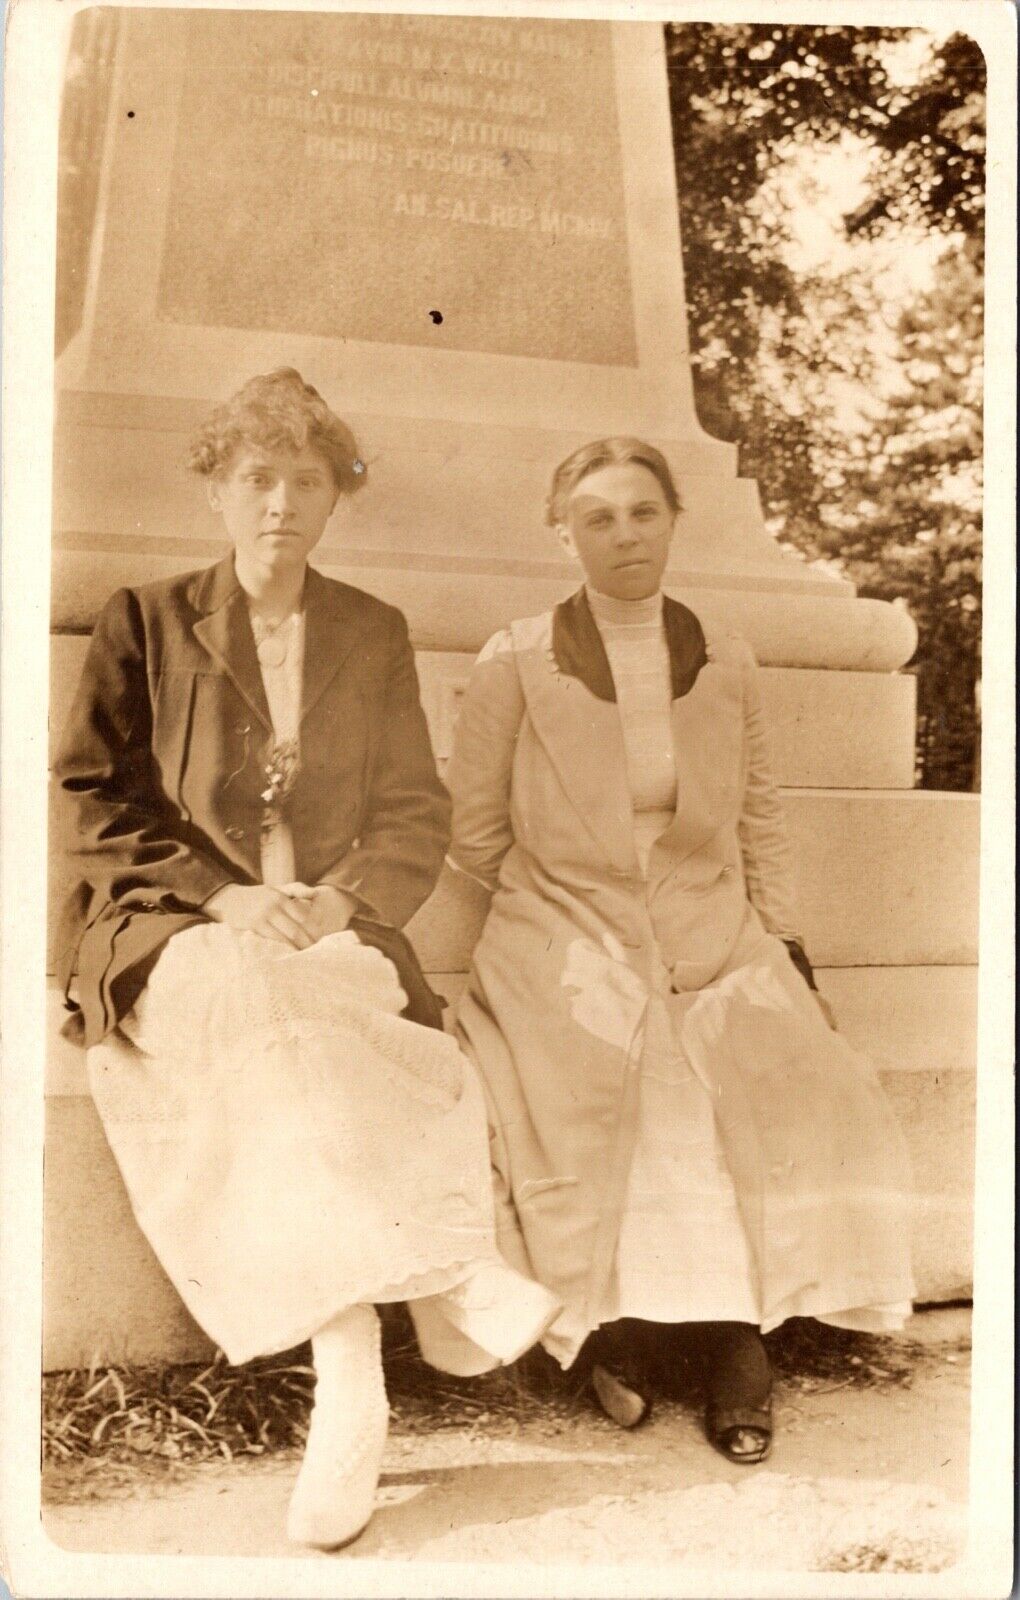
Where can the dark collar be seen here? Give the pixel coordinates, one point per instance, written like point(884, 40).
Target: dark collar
point(580, 653)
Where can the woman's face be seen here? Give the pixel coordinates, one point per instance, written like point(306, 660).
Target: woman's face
point(619, 526)
point(275, 504)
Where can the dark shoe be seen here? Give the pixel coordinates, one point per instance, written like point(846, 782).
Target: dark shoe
point(744, 1436)
point(738, 1385)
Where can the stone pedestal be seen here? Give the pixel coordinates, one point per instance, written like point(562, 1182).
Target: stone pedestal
point(464, 232)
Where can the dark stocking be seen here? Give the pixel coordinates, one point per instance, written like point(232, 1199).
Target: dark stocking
point(614, 1355)
point(738, 1389)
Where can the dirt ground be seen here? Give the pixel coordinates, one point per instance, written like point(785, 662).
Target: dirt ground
point(860, 1479)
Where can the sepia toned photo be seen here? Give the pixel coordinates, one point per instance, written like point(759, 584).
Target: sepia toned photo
point(517, 1104)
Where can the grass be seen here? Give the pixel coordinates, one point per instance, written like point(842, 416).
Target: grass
point(159, 1417)
point(176, 1413)
point(107, 1426)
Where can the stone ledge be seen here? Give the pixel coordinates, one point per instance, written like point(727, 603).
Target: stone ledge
point(105, 1296)
point(886, 878)
point(907, 1019)
point(828, 729)
point(450, 609)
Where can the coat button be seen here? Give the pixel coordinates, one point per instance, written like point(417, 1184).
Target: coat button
point(234, 833)
point(242, 728)
point(727, 872)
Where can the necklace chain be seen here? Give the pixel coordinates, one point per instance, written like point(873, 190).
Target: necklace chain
point(266, 628)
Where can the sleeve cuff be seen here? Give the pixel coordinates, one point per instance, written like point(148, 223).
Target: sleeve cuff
point(351, 886)
point(488, 884)
point(225, 883)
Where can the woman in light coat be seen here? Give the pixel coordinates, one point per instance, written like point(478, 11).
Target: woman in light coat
point(678, 1134)
point(253, 809)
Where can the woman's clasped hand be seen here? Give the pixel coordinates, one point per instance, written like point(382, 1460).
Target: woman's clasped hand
point(296, 914)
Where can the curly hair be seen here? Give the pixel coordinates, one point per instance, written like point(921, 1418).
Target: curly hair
point(619, 451)
point(277, 411)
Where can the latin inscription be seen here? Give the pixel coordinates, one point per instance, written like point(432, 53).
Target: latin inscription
point(344, 175)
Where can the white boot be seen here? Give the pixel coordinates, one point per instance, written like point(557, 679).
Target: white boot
point(335, 1490)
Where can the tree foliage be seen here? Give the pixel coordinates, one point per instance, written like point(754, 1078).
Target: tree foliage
point(907, 517)
point(768, 365)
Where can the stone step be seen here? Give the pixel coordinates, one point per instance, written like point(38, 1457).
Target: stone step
point(105, 1296)
point(916, 1020)
point(885, 879)
point(850, 730)
point(455, 604)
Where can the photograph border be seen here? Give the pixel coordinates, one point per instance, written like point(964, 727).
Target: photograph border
point(32, 1563)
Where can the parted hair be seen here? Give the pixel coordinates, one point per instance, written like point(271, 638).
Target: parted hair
point(619, 451)
point(277, 411)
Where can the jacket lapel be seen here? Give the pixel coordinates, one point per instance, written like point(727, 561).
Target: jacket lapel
point(578, 648)
point(582, 736)
point(688, 652)
point(708, 730)
point(332, 627)
point(225, 633)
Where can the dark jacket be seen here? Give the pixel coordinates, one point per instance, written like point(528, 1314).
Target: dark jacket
point(161, 767)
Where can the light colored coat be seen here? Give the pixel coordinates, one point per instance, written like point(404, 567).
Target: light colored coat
point(579, 948)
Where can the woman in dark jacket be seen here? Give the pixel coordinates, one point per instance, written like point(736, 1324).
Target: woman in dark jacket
point(254, 812)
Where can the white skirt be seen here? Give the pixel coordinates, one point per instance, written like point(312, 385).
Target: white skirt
point(292, 1146)
point(683, 1253)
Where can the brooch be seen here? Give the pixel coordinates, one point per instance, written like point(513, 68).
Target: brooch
point(280, 772)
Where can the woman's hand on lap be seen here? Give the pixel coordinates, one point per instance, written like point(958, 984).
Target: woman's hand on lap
point(322, 908)
point(270, 913)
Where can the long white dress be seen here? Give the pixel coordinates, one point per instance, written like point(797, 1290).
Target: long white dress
point(682, 1253)
point(292, 1146)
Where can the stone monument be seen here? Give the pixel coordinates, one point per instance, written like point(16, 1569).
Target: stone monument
point(464, 231)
